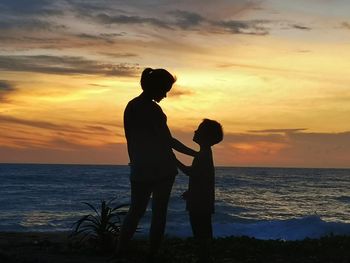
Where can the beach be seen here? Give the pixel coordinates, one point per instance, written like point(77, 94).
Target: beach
point(35, 247)
point(262, 215)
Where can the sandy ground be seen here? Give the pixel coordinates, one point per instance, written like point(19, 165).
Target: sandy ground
point(42, 248)
point(57, 247)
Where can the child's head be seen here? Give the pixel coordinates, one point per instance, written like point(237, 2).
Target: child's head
point(209, 132)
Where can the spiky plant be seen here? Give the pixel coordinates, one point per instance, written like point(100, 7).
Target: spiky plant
point(102, 227)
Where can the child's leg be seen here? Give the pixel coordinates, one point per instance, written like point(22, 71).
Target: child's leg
point(203, 233)
point(201, 225)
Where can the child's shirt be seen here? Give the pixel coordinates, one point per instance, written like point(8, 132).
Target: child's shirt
point(201, 187)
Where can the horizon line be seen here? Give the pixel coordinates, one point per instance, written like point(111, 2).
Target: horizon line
point(217, 166)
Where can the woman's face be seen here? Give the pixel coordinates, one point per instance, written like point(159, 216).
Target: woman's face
point(158, 96)
point(160, 93)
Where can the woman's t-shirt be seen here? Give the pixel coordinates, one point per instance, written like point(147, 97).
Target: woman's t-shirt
point(149, 141)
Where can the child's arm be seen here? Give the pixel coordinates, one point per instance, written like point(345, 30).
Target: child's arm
point(187, 170)
point(180, 147)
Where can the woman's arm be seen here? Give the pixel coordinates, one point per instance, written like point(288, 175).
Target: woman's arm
point(187, 170)
point(180, 147)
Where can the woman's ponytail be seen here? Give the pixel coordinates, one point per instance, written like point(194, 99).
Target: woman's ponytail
point(146, 77)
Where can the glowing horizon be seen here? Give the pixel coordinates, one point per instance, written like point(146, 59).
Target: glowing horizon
point(274, 73)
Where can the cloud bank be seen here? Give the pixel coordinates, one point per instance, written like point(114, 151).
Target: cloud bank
point(65, 65)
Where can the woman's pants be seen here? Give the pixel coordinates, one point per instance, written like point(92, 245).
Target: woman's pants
point(140, 196)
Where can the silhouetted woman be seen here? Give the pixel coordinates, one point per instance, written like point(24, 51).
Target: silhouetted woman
point(152, 161)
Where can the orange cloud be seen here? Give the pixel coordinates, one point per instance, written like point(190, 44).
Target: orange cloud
point(259, 148)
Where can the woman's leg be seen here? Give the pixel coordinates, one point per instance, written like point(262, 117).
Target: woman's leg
point(160, 199)
point(140, 195)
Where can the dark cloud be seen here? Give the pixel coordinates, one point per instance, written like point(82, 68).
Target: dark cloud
point(88, 129)
point(187, 20)
point(104, 18)
point(119, 55)
point(112, 35)
point(36, 15)
point(108, 38)
point(64, 65)
point(35, 123)
point(32, 24)
point(107, 13)
point(98, 85)
point(289, 25)
point(345, 25)
point(32, 7)
point(301, 27)
point(38, 40)
point(82, 8)
point(19, 18)
point(6, 87)
point(94, 37)
point(184, 20)
point(251, 27)
point(303, 51)
point(18, 42)
point(97, 128)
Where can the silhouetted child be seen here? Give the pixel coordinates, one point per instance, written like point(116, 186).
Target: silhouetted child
point(201, 188)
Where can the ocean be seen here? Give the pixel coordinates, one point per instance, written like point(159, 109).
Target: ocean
point(265, 203)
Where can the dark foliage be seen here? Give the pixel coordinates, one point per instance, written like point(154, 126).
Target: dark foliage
point(102, 227)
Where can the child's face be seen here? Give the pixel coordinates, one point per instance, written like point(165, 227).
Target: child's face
point(198, 135)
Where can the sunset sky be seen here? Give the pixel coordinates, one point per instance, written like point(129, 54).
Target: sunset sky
point(275, 73)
